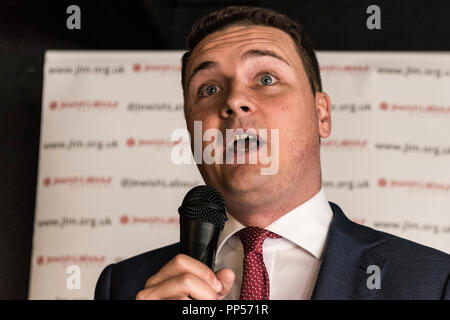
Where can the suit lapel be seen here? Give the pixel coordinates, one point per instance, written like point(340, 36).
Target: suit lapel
point(347, 255)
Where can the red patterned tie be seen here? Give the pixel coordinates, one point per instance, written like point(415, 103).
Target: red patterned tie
point(255, 280)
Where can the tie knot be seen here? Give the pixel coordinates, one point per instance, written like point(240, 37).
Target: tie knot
point(253, 238)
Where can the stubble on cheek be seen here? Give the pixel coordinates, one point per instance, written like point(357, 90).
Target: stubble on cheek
point(304, 158)
point(299, 139)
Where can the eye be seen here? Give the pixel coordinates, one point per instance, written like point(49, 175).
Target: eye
point(208, 90)
point(267, 79)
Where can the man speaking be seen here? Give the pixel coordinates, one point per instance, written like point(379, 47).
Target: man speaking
point(249, 67)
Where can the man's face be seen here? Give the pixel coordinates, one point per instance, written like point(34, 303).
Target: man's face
point(253, 77)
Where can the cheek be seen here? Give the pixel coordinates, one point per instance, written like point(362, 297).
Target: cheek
point(288, 112)
point(198, 114)
point(295, 118)
point(206, 122)
point(206, 110)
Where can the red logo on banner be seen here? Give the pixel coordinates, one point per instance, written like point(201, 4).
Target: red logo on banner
point(415, 108)
point(130, 142)
point(359, 220)
point(78, 180)
point(124, 219)
point(66, 259)
point(344, 143)
point(53, 105)
point(47, 182)
point(382, 182)
point(143, 67)
point(137, 67)
point(153, 221)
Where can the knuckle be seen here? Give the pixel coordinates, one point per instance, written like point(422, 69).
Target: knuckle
point(186, 280)
point(211, 277)
point(141, 295)
point(179, 260)
point(150, 282)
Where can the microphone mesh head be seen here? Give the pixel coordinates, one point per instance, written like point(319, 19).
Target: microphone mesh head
point(204, 203)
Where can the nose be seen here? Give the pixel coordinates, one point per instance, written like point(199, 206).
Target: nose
point(237, 104)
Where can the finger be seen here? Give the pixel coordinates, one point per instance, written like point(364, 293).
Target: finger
point(186, 298)
point(182, 286)
point(226, 277)
point(185, 264)
point(180, 298)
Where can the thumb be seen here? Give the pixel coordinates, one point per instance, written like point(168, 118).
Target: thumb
point(226, 277)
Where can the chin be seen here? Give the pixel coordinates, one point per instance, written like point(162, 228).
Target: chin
point(243, 180)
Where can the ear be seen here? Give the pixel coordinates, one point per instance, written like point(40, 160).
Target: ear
point(323, 108)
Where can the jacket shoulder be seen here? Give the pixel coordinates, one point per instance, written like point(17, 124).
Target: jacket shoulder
point(412, 270)
point(415, 271)
point(385, 244)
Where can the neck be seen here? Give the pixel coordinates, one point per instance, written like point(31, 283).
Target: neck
point(251, 212)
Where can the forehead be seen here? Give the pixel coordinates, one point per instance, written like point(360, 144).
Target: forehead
point(227, 44)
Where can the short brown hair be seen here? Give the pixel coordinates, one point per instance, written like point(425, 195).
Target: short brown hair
point(255, 16)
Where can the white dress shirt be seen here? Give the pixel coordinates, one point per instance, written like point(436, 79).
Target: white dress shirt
point(293, 261)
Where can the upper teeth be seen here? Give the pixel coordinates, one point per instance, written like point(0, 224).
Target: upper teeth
point(236, 137)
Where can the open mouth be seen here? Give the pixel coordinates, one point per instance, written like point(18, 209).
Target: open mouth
point(243, 142)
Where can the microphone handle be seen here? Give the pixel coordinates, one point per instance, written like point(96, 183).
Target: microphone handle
point(198, 239)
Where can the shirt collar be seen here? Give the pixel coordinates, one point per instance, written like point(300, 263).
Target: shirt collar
point(306, 225)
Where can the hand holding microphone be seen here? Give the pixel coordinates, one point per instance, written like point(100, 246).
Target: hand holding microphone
point(189, 275)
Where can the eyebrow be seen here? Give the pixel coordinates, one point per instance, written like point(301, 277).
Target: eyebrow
point(202, 66)
point(248, 54)
point(261, 53)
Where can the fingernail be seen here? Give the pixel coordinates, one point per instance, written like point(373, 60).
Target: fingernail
point(217, 285)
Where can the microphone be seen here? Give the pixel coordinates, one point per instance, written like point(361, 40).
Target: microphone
point(202, 217)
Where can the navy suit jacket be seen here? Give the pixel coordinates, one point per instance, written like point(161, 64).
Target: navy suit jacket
point(407, 270)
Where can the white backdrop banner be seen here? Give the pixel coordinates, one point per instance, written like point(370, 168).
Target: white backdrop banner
point(107, 188)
